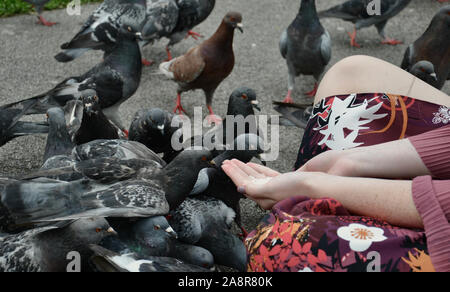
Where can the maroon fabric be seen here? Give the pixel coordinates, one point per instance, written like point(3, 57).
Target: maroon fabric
point(367, 119)
point(320, 235)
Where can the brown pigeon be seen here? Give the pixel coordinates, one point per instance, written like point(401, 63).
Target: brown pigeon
point(433, 46)
point(207, 65)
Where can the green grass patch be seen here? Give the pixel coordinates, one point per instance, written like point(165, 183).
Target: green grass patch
point(13, 7)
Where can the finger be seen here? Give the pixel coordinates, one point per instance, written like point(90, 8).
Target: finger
point(264, 170)
point(247, 169)
point(238, 177)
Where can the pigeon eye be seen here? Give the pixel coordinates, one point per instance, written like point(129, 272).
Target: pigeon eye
point(129, 29)
point(232, 19)
point(157, 227)
point(95, 97)
point(422, 69)
point(244, 96)
point(98, 230)
point(204, 158)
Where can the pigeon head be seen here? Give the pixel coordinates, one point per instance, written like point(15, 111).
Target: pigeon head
point(246, 147)
point(242, 102)
point(90, 102)
point(182, 174)
point(56, 116)
point(130, 31)
point(424, 70)
point(154, 235)
point(90, 231)
point(156, 119)
point(234, 20)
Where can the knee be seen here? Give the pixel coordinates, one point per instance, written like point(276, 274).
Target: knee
point(350, 67)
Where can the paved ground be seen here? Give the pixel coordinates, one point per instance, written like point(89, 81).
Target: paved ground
point(27, 67)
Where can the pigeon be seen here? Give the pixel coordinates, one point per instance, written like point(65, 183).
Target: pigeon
point(433, 47)
point(115, 80)
point(207, 65)
point(107, 261)
point(293, 115)
point(11, 127)
point(94, 124)
point(357, 11)
point(154, 129)
point(119, 149)
point(206, 222)
point(306, 46)
point(425, 71)
point(174, 19)
point(100, 31)
point(153, 194)
point(242, 103)
point(39, 6)
point(59, 143)
point(155, 237)
point(46, 249)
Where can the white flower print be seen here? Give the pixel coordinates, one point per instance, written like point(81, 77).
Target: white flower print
point(443, 116)
point(361, 237)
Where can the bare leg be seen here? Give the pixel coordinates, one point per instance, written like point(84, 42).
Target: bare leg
point(364, 74)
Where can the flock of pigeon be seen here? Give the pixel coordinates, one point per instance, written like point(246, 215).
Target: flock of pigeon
point(123, 198)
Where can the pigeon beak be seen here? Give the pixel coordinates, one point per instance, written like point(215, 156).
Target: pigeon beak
point(112, 232)
point(240, 26)
point(213, 163)
point(255, 104)
point(161, 129)
point(139, 36)
point(171, 232)
point(260, 159)
point(434, 76)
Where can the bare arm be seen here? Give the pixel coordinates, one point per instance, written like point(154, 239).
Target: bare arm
point(398, 159)
point(386, 200)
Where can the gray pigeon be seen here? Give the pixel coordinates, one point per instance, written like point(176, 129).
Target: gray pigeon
point(107, 261)
point(155, 237)
point(115, 80)
point(39, 6)
point(433, 46)
point(206, 222)
point(118, 149)
point(306, 46)
point(153, 128)
point(94, 124)
point(425, 71)
point(47, 249)
point(174, 19)
point(59, 142)
point(101, 30)
point(357, 12)
point(154, 193)
point(11, 127)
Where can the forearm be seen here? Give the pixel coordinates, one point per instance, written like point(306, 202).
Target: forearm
point(388, 200)
point(398, 159)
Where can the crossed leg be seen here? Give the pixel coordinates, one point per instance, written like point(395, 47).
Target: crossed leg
point(364, 74)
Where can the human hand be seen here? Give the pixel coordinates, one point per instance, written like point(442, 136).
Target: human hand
point(263, 185)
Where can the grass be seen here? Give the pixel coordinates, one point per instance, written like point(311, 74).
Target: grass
point(13, 7)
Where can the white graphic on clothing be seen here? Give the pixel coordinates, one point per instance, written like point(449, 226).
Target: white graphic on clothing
point(443, 116)
point(345, 115)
